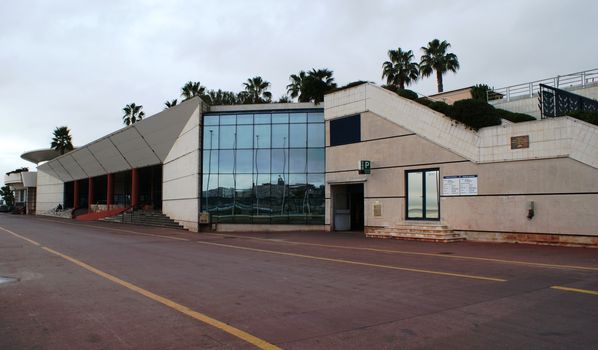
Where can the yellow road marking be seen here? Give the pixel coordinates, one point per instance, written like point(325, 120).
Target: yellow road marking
point(351, 262)
point(403, 252)
point(21, 237)
point(576, 290)
point(391, 251)
point(260, 343)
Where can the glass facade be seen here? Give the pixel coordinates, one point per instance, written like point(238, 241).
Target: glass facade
point(264, 167)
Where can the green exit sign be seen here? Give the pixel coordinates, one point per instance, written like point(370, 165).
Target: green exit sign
point(365, 167)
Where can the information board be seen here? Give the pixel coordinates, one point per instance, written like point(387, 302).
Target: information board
point(460, 185)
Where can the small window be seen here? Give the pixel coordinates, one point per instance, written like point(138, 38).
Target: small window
point(345, 130)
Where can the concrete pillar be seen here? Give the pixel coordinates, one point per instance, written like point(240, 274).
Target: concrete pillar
point(134, 187)
point(89, 193)
point(76, 194)
point(108, 191)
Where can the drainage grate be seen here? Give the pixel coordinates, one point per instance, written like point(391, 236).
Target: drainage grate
point(445, 253)
point(4, 280)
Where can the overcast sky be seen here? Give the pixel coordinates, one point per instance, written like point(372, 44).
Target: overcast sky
point(77, 63)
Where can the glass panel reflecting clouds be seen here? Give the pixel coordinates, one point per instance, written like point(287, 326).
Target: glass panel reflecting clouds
point(263, 170)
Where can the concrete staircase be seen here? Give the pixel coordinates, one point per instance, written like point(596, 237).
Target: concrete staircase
point(417, 232)
point(144, 217)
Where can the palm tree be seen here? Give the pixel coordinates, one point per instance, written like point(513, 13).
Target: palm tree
point(284, 99)
point(256, 89)
point(62, 140)
point(311, 86)
point(169, 104)
point(192, 89)
point(435, 58)
point(220, 97)
point(133, 114)
point(400, 70)
point(294, 88)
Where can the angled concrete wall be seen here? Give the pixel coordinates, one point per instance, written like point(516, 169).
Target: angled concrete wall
point(181, 171)
point(50, 192)
point(557, 172)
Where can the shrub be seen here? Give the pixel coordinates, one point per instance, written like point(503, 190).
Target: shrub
point(412, 95)
point(475, 114)
point(479, 92)
point(590, 117)
point(424, 101)
point(441, 107)
point(512, 116)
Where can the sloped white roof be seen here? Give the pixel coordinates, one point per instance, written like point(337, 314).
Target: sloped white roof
point(144, 143)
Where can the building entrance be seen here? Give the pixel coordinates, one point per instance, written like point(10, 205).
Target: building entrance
point(347, 204)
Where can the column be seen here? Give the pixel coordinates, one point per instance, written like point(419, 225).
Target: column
point(76, 194)
point(108, 191)
point(89, 193)
point(134, 187)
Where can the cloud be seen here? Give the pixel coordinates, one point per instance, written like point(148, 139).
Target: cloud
point(78, 63)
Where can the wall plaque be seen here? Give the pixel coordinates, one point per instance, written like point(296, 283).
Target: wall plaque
point(377, 208)
point(518, 142)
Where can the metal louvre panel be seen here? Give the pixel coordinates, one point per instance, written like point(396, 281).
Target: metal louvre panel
point(72, 167)
point(108, 156)
point(60, 171)
point(88, 163)
point(161, 132)
point(134, 148)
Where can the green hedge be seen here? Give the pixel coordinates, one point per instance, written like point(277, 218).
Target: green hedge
point(512, 116)
point(590, 117)
point(475, 114)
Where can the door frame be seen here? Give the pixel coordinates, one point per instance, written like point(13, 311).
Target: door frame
point(423, 171)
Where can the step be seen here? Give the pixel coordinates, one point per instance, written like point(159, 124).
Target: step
point(420, 232)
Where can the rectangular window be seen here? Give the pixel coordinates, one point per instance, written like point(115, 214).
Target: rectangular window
point(422, 197)
point(264, 167)
point(345, 130)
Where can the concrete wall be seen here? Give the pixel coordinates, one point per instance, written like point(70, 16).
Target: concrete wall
point(50, 192)
point(451, 97)
point(181, 171)
point(558, 172)
point(529, 105)
point(564, 191)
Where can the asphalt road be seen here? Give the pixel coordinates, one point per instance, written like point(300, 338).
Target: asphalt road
point(110, 286)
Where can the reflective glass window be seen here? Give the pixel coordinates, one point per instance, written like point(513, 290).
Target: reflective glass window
point(226, 161)
point(280, 118)
point(298, 118)
point(211, 120)
point(315, 135)
point(262, 136)
point(280, 135)
point(297, 160)
point(315, 160)
point(262, 118)
point(280, 161)
point(298, 136)
point(228, 119)
point(227, 137)
point(244, 136)
point(244, 161)
point(245, 119)
point(315, 117)
point(210, 137)
point(264, 168)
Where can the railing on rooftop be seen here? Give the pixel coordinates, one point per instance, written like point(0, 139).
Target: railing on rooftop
point(579, 79)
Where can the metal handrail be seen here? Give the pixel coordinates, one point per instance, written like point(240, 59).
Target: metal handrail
point(582, 79)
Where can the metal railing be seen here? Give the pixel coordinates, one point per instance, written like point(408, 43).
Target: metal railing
point(579, 79)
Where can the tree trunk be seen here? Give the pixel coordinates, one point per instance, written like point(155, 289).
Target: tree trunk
point(402, 85)
point(439, 81)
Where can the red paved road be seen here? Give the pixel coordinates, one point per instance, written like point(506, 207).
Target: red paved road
point(294, 290)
